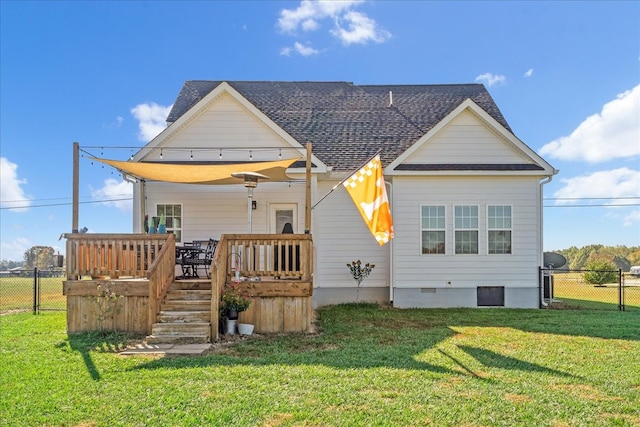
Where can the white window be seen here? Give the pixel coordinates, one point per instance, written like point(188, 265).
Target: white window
point(499, 227)
point(173, 217)
point(466, 229)
point(433, 222)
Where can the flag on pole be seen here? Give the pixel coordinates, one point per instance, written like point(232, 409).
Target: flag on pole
point(367, 190)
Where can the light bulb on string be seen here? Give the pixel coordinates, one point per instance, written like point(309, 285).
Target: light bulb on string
point(191, 157)
point(220, 156)
point(250, 155)
point(161, 154)
point(280, 154)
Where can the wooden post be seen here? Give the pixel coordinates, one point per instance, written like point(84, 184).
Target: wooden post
point(76, 187)
point(307, 205)
point(142, 204)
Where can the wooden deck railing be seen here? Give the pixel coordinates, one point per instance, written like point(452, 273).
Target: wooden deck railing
point(279, 256)
point(161, 275)
point(276, 270)
point(112, 255)
point(139, 267)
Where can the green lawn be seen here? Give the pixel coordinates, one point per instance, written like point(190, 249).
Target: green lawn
point(571, 289)
point(368, 366)
point(17, 293)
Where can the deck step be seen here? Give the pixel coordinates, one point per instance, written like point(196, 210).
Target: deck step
point(184, 316)
point(194, 284)
point(178, 339)
point(177, 328)
point(188, 294)
point(185, 305)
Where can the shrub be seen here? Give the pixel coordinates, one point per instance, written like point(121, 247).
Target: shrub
point(601, 271)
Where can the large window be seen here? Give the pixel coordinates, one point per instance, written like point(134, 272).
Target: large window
point(433, 229)
point(466, 229)
point(499, 225)
point(173, 216)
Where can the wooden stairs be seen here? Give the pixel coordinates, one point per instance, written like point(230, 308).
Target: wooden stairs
point(185, 314)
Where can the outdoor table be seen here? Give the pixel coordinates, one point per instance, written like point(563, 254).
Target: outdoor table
point(184, 254)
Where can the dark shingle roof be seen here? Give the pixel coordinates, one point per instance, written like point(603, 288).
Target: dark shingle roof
point(347, 123)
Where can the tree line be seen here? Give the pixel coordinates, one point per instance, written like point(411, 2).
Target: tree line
point(623, 257)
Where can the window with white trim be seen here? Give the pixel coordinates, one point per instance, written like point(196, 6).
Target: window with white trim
point(173, 217)
point(466, 229)
point(499, 227)
point(433, 223)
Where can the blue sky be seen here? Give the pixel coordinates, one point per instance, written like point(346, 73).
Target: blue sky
point(566, 75)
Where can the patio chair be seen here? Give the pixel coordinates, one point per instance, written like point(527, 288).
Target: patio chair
point(192, 260)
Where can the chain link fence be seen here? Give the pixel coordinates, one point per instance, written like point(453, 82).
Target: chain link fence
point(575, 289)
point(32, 290)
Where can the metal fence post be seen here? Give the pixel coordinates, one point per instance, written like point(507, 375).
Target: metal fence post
point(35, 290)
point(620, 291)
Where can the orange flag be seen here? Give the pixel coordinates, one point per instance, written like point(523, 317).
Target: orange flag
point(366, 188)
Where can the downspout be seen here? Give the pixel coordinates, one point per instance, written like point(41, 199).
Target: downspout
point(541, 251)
point(389, 186)
point(134, 181)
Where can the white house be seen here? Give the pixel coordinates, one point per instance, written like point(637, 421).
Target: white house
point(465, 192)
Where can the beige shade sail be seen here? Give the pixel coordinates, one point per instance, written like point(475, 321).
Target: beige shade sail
point(200, 174)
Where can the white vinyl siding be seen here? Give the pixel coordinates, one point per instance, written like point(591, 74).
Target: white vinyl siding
point(466, 229)
point(466, 140)
point(499, 225)
point(340, 236)
point(225, 131)
point(208, 211)
point(412, 269)
point(433, 229)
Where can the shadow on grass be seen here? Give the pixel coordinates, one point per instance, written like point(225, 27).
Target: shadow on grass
point(369, 336)
point(492, 359)
point(92, 342)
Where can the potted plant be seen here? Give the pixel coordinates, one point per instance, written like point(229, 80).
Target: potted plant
point(232, 302)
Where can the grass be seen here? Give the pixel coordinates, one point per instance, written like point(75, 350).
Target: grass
point(572, 290)
point(369, 366)
point(17, 293)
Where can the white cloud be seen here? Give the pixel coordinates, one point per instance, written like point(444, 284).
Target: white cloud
point(350, 27)
point(361, 29)
point(632, 219)
point(611, 186)
point(529, 73)
point(286, 51)
point(15, 250)
point(115, 190)
point(12, 195)
point(491, 79)
point(307, 15)
point(152, 119)
point(611, 134)
point(304, 50)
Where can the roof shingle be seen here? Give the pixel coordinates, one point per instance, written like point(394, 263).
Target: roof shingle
point(348, 123)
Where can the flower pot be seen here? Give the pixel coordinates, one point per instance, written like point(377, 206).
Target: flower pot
point(232, 314)
point(245, 328)
point(230, 326)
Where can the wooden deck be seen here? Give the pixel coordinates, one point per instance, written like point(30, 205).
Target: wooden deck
point(275, 269)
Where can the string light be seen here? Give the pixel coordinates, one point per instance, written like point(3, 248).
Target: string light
point(250, 155)
point(280, 154)
point(220, 153)
point(191, 155)
point(161, 154)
